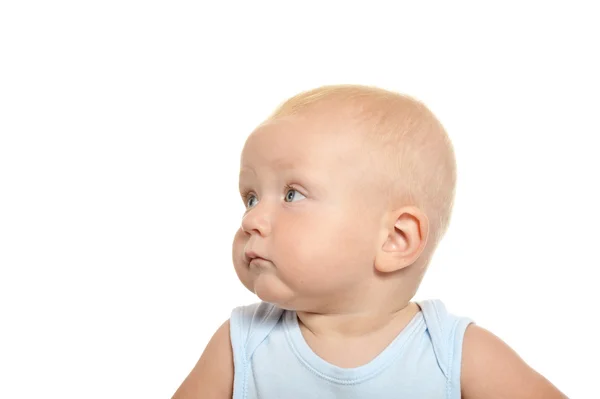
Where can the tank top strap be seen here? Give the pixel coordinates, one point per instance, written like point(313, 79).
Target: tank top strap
point(447, 333)
point(249, 326)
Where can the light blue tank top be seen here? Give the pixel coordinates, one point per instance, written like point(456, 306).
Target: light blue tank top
point(273, 361)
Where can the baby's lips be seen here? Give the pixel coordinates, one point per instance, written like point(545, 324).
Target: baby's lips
point(250, 255)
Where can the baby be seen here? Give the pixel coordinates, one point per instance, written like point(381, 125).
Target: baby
point(348, 192)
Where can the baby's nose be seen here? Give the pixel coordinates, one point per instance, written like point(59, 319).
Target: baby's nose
point(256, 221)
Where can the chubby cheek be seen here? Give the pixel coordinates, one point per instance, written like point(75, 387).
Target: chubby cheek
point(305, 252)
point(237, 255)
point(333, 248)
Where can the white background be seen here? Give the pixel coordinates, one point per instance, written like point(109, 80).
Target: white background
point(121, 124)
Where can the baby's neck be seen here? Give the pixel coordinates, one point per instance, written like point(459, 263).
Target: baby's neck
point(367, 333)
point(358, 324)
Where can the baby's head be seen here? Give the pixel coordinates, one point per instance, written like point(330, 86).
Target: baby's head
point(348, 190)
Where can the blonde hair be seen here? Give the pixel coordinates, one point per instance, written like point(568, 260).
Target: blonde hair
point(417, 154)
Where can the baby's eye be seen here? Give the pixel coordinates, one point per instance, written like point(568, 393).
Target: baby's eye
point(292, 195)
point(251, 201)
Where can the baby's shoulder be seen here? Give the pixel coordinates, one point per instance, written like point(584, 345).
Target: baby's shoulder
point(438, 317)
point(250, 324)
point(446, 332)
point(248, 317)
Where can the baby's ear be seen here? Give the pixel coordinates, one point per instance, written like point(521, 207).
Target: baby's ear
point(407, 231)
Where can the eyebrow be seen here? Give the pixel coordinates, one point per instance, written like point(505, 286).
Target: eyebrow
point(285, 166)
point(249, 172)
point(277, 164)
point(280, 165)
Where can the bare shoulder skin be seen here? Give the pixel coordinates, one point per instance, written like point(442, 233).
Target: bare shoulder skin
point(212, 376)
point(492, 370)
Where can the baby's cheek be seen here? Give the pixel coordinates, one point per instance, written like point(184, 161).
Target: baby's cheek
point(238, 239)
point(313, 252)
point(237, 248)
point(295, 255)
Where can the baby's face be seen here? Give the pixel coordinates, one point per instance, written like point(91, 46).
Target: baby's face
point(312, 223)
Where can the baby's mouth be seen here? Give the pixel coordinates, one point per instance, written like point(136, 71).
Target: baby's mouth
point(258, 259)
point(259, 263)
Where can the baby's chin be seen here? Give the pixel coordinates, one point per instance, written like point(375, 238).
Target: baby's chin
point(269, 288)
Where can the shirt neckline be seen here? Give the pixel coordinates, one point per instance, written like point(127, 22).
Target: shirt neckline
point(346, 376)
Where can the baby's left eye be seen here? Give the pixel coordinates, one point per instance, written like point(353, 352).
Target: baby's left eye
point(292, 195)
